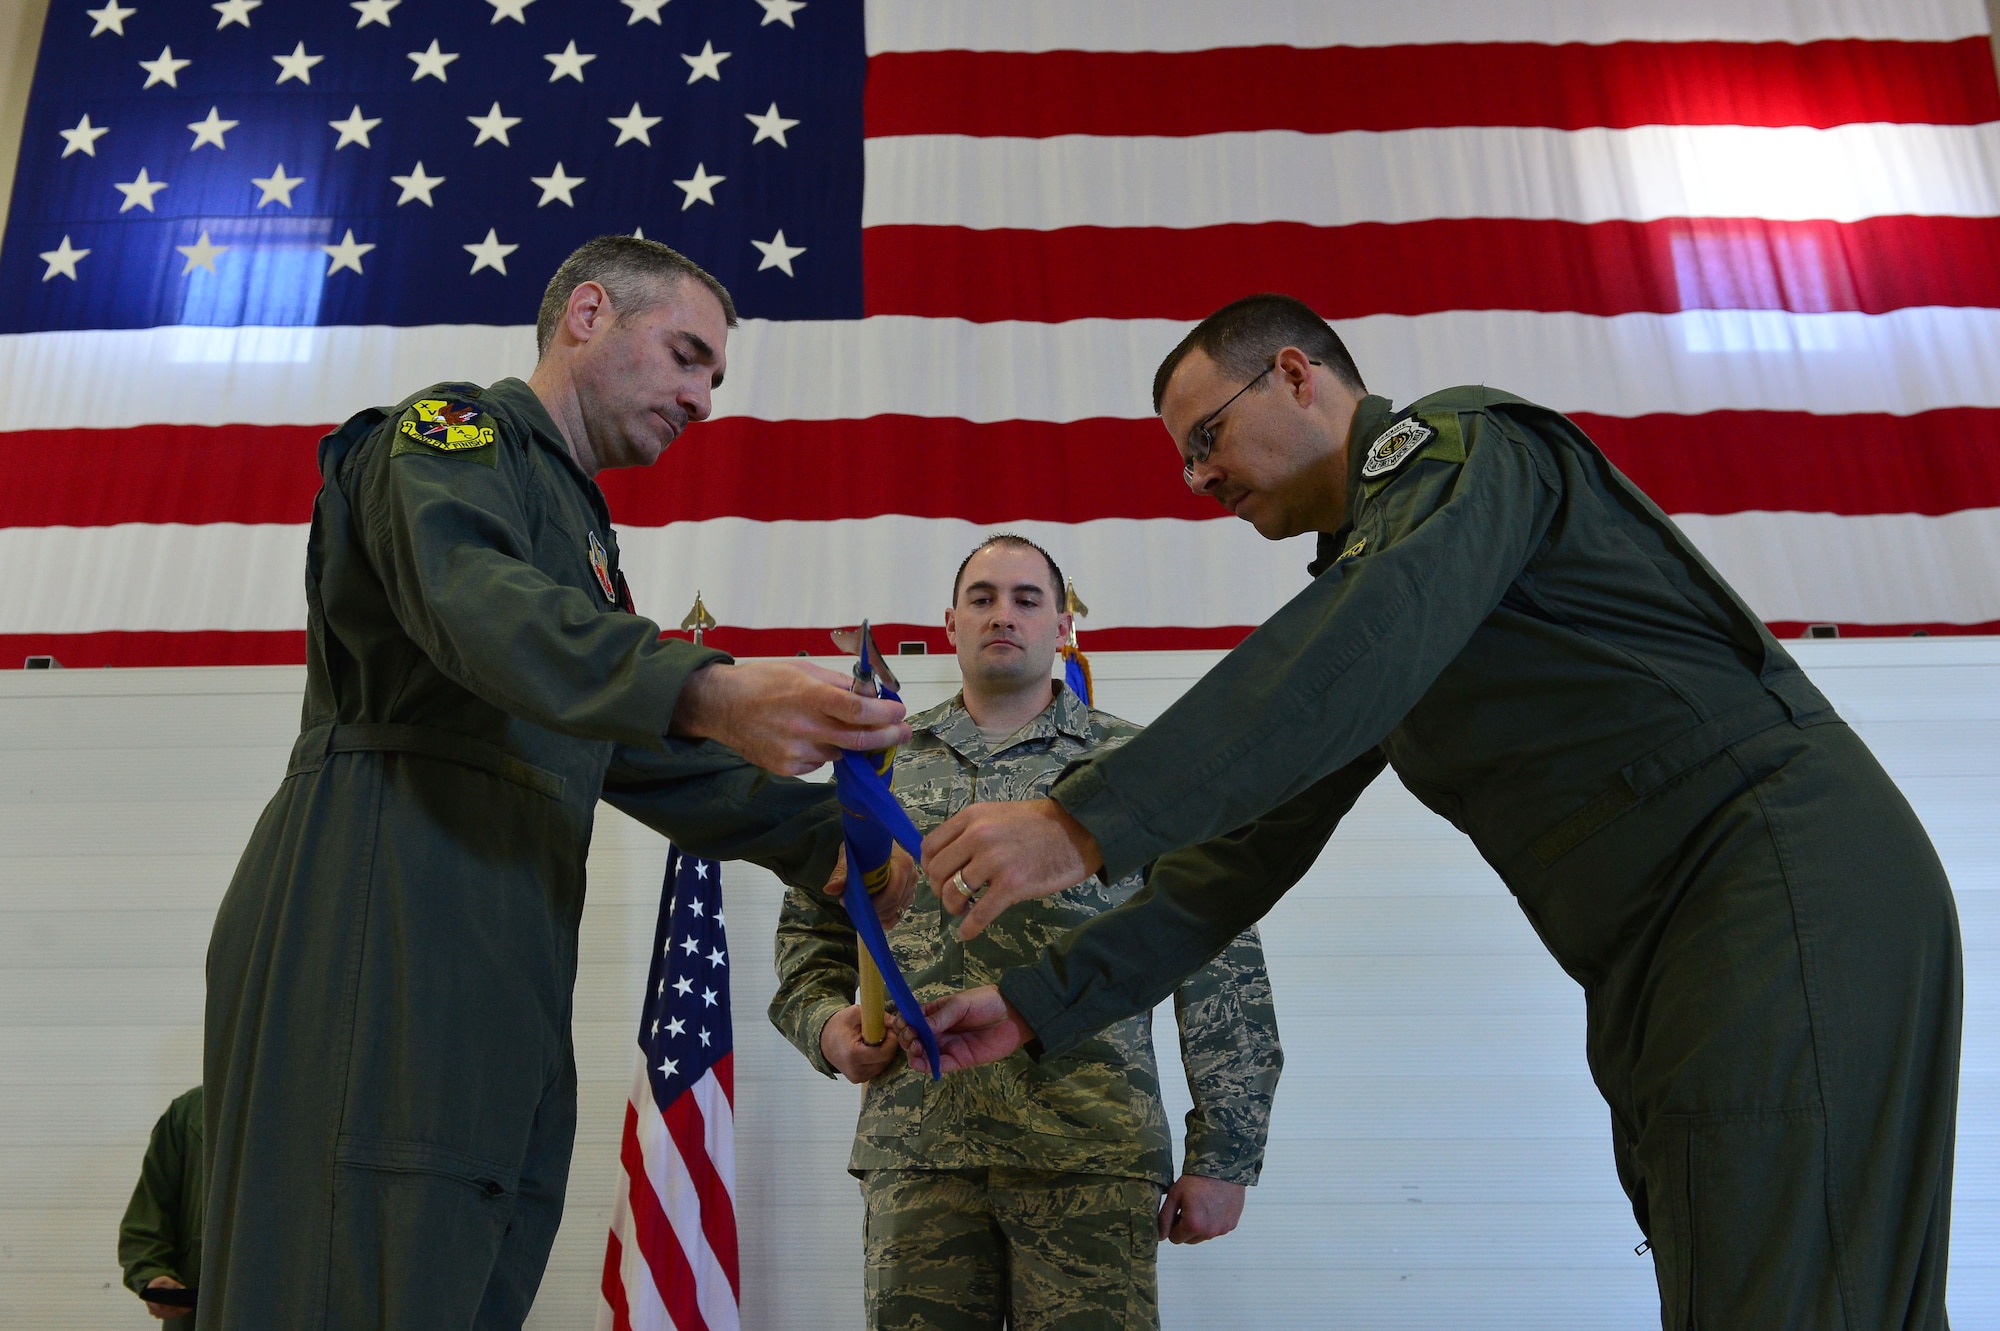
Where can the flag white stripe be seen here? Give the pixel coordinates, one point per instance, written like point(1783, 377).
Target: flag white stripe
point(1883, 568)
point(1902, 362)
point(1585, 175)
point(1195, 25)
point(718, 1116)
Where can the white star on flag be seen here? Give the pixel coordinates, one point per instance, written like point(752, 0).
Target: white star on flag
point(643, 9)
point(557, 186)
point(699, 186)
point(635, 124)
point(704, 1037)
point(656, 1026)
point(347, 254)
point(234, 11)
point(354, 129)
point(708, 997)
point(694, 904)
point(700, 868)
point(83, 139)
point(689, 946)
point(668, 1067)
point(510, 9)
point(211, 129)
point(493, 125)
point(373, 11)
point(568, 63)
point(718, 919)
point(770, 125)
point(163, 68)
point(707, 65)
point(201, 254)
point(111, 18)
point(432, 62)
point(684, 986)
point(277, 186)
point(139, 193)
point(777, 254)
point(715, 956)
point(490, 253)
point(675, 1025)
point(62, 259)
point(781, 11)
point(417, 185)
point(298, 65)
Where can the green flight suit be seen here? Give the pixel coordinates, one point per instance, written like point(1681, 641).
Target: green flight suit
point(161, 1232)
point(392, 1089)
point(1766, 940)
point(1015, 1192)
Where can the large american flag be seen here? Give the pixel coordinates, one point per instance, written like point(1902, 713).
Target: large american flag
point(670, 1263)
point(1753, 246)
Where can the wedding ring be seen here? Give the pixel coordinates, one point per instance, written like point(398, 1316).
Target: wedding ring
point(958, 881)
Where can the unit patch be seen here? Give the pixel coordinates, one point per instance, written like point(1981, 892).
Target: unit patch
point(600, 564)
point(443, 424)
point(1354, 549)
point(1395, 446)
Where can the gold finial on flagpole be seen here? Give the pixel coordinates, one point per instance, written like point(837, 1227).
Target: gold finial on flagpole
point(698, 619)
point(1073, 604)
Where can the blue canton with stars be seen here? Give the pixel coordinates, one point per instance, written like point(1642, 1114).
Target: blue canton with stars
point(684, 1026)
point(408, 162)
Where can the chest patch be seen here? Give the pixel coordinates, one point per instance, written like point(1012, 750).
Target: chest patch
point(600, 564)
point(1395, 447)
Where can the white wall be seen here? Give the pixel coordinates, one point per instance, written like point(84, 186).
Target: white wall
point(1439, 1158)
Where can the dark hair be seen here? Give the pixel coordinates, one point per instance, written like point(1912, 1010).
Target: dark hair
point(633, 272)
point(1243, 336)
point(1019, 542)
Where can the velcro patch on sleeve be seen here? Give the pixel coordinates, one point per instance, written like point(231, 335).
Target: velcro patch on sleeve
point(1406, 439)
point(446, 425)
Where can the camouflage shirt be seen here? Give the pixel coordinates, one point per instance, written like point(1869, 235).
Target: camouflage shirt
point(1096, 1109)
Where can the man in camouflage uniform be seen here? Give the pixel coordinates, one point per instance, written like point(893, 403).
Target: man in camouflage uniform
point(1026, 1194)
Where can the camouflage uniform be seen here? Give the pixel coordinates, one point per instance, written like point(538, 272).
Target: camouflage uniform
point(1023, 1189)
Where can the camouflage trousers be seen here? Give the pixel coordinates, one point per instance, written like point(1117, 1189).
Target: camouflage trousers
point(982, 1249)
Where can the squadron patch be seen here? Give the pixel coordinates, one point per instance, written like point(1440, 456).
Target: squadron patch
point(600, 564)
point(1354, 549)
point(445, 425)
point(1395, 446)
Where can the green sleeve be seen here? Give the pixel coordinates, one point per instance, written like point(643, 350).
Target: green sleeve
point(818, 969)
point(1230, 1049)
point(149, 1238)
point(710, 802)
point(1326, 678)
point(1194, 902)
point(452, 540)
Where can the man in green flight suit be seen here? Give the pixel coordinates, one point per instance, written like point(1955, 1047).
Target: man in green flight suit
point(1026, 1195)
point(159, 1241)
point(1766, 940)
point(391, 1084)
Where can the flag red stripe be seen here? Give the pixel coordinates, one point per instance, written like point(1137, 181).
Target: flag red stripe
point(718, 1212)
point(672, 1276)
point(1347, 272)
point(1009, 471)
point(613, 1285)
point(725, 1072)
point(1331, 89)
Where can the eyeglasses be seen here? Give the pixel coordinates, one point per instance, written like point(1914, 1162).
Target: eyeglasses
point(1201, 438)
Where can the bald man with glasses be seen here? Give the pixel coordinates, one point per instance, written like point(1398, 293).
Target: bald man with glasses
point(1766, 942)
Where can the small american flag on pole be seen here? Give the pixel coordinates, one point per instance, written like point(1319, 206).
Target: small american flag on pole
point(670, 1261)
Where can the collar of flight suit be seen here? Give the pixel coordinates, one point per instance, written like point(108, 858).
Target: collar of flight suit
point(526, 404)
point(954, 727)
point(1372, 415)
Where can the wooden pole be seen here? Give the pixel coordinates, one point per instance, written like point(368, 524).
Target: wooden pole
point(874, 1002)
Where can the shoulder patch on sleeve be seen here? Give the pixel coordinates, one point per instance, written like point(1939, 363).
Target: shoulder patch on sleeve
point(446, 425)
point(1406, 438)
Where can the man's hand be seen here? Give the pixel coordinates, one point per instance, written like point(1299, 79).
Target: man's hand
point(1004, 853)
point(891, 901)
point(165, 1312)
point(840, 1040)
point(785, 716)
point(973, 1027)
point(1197, 1209)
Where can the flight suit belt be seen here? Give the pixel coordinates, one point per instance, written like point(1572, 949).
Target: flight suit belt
point(1678, 755)
point(318, 742)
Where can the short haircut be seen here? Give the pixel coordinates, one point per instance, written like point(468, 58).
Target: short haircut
point(633, 272)
point(1243, 336)
point(1021, 543)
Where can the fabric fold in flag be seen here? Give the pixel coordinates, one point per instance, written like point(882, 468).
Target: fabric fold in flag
point(874, 823)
